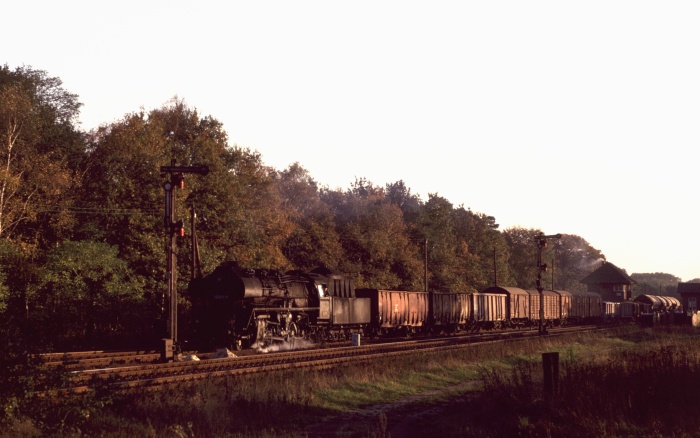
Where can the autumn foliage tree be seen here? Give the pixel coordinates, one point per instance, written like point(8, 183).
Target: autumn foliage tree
point(39, 150)
point(313, 240)
point(106, 191)
point(377, 245)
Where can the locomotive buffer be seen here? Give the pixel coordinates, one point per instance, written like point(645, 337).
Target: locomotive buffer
point(174, 228)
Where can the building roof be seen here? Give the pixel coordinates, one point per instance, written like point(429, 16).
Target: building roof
point(608, 274)
point(693, 288)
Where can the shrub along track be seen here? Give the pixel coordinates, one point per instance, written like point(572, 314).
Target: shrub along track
point(153, 376)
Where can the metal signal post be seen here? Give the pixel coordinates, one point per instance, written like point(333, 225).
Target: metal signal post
point(541, 241)
point(174, 229)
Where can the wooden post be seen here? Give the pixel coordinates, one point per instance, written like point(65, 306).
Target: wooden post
point(550, 366)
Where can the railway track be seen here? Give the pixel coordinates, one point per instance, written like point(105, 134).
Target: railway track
point(118, 376)
point(94, 359)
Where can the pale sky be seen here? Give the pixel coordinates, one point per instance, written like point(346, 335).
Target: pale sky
point(570, 117)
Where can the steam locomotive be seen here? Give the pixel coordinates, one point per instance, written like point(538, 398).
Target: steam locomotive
point(234, 307)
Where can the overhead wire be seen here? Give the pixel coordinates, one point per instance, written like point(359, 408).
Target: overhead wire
point(99, 210)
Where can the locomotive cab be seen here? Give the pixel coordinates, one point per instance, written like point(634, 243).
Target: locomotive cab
point(338, 305)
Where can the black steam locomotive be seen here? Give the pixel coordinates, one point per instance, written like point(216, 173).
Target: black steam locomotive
point(236, 308)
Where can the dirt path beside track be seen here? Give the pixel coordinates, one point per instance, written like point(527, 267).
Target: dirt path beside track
point(397, 419)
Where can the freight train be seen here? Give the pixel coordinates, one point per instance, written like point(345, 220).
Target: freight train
point(236, 308)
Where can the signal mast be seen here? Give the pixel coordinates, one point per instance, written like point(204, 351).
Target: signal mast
point(174, 228)
point(541, 241)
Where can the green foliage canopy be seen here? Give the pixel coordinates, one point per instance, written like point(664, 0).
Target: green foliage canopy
point(95, 236)
point(85, 292)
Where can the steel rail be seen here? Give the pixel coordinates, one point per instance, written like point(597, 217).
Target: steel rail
point(159, 375)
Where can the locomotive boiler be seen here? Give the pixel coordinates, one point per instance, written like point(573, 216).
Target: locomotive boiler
point(234, 307)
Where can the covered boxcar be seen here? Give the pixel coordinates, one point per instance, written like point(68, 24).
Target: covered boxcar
point(488, 310)
point(517, 304)
point(552, 312)
point(586, 306)
point(565, 303)
point(611, 311)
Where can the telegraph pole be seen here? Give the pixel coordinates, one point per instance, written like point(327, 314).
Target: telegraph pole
point(174, 228)
point(425, 266)
point(495, 269)
point(541, 241)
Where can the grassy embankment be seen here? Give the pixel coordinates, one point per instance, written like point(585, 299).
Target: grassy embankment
point(633, 383)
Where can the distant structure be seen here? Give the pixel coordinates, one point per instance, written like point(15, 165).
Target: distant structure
point(690, 296)
point(611, 282)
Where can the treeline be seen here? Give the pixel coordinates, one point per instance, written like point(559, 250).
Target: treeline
point(83, 242)
point(657, 283)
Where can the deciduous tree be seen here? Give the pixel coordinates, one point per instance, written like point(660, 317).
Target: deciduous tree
point(377, 247)
point(38, 145)
point(87, 295)
point(523, 256)
point(314, 240)
point(448, 255)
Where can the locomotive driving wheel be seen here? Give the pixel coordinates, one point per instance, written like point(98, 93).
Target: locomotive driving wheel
point(292, 331)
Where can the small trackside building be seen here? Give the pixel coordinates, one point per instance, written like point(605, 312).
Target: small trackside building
point(611, 282)
point(690, 296)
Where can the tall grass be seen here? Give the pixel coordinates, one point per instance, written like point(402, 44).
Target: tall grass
point(635, 383)
point(649, 389)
